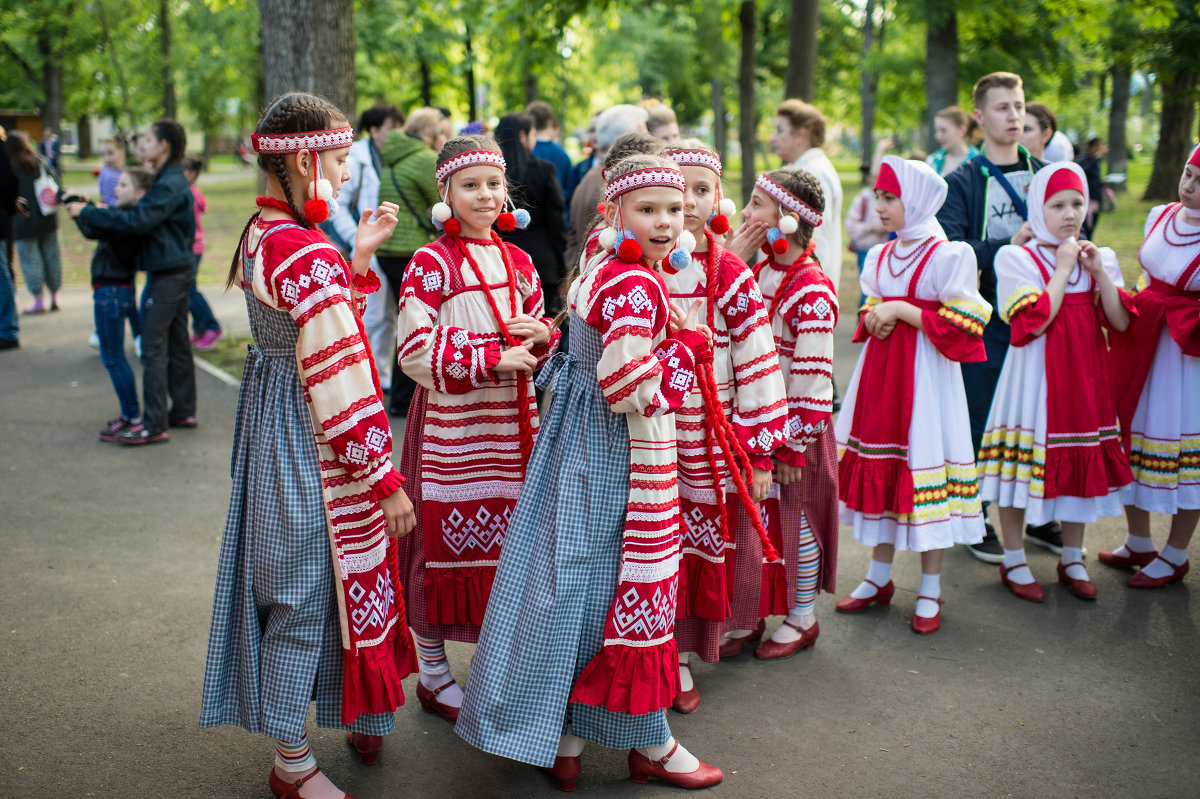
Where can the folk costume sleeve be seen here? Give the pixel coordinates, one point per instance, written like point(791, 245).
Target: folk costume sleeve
point(307, 277)
point(956, 328)
point(1021, 292)
point(868, 283)
point(629, 310)
point(451, 360)
point(760, 408)
point(1108, 259)
point(810, 314)
point(533, 302)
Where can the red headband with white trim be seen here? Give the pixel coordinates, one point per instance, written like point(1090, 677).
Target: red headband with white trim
point(314, 140)
point(645, 178)
point(789, 201)
point(696, 158)
point(470, 158)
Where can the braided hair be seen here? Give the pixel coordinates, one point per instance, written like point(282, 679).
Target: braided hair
point(804, 186)
point(295, 112)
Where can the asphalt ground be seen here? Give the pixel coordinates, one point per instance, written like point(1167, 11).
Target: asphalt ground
point(109, 555)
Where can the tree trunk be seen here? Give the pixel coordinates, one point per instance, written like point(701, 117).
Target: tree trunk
point(941, 62)
point(83, 130)
point(868, 81)
point(1118, 112)
point(1174, 135)
point(531, 87)
point(1148, 83)
point(52, 82)
point(747, 114)
point(720, 132)
point(308, 45)
point(472, 114)
point(164, 38)
point(801, 75)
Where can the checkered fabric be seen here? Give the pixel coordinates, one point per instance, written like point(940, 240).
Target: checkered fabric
point(275, 632)
point(556, 580)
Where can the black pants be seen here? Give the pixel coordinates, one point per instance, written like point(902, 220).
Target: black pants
point(167, 366)
point(403, 386)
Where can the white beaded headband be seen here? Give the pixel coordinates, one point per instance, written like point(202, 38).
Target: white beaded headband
point(789, 200)
point(470, 158)
point(696, 158)
point(644, 178)
point(314, 140)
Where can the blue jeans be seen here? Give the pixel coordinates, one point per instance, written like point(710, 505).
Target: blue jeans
point(203, 319)
point(112, 305)
point(8, 297)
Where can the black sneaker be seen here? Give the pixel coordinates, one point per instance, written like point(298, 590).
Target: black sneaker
point(1047, 536)
point(187, 421)
point(140, 434)
point(115, 427)
point(9, 343)
point(989, 550)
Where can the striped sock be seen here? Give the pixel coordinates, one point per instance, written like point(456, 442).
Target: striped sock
point(808, 569)
point(294, 757)
point(435, 670)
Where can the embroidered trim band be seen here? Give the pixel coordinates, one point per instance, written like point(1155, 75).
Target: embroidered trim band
point(471, 158)
point(789, 200)
point(315, 140)
point(644, 178)
point(696, 158)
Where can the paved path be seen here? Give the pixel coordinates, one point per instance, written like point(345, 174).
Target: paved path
point(106, 587)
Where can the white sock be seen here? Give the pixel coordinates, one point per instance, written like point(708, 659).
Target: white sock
point(1174, 556)
point(1135, 543)
point(570, 746)
point(1018, 572)
point(786, 634)
point(682, 762)
point(1169, 557)
point(1072, 558)
point(685, 674)
point(451, 695)
point(931, 586)
point(737, 634)
point(878, 573)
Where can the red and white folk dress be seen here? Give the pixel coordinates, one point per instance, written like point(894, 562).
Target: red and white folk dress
point(462, 449)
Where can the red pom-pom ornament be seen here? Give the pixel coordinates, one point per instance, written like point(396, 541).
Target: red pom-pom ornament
point(630, 251)
point(506, 221)
point(452, 227)
point(780, 246)
point(600, 208)
point(316, 211)
point(719, 224)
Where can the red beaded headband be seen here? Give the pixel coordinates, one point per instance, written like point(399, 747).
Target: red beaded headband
point(696, 158)
point(470, 158)
point(644, 178)
point(315, 140)
point(789, 200)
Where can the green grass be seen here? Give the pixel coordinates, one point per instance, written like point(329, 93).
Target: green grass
point(229, 354)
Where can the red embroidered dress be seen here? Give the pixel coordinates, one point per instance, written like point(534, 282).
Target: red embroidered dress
point(463, 436)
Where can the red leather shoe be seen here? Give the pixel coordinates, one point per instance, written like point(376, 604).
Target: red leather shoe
point(882, 595)
point(922, 625)
point(430, 704)
point(1080, 588)
point(1143, 580)
point(773, 650)
point(1127, 561)
point(291, 790)
point(688, 701)
point(565, 772)
point(642, 768)
point(733, 646)
point(367, 746)
point(1031, 591)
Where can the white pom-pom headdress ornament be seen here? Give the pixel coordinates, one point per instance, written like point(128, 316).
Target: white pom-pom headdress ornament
point(777, 236)
point(626, 245)
point(443, 215)
point(321, 206)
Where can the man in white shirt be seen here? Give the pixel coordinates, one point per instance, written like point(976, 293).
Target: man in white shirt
point(357, 194)
point(798, 139)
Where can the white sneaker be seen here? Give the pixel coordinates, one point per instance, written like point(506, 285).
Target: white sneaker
point(137, 345)
point(94, 340)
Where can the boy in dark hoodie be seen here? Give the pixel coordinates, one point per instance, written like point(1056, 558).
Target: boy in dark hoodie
point(113, 266)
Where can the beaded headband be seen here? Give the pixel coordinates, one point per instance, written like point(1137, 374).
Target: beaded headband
point(789, 200)
point(696, 158)
point(314, 140)
point(644, 178)
point(470, 158)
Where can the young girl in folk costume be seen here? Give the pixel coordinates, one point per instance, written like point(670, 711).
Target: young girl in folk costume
point(802, 507)
point(578, 642)
point(635, 142)
point(470, 333)
point(307, 600)
point(1051, 448)
point(907, 477)
point(747, 399)
point(1155, 379)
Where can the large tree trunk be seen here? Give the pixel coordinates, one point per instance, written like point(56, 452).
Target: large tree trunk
point(868, 81)
point(168, 79)
point(801, 75)
point(941, 61)
point(720, 130)
point(472, 111)
point(308, 45)
point(1118, 112)
point(1174, 135)
point(747, 114)
point(52, 81)
point(83, 130)
point(531, 86)
point(426, 83)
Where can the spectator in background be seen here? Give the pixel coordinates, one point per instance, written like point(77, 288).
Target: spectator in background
point(661, 123)
point(610, 124)
point(36, 234)
point(112, 161)
point(50, 149)
point(863, 228)
point(533, 185)
point(206, 330)
point(357, 194)
point(1091, 164)
point(408, 179)
point(1059, 148)
point(952, 128)
point(1040, 127)
point(588, 142)
point(10, 207)
point(546, 146)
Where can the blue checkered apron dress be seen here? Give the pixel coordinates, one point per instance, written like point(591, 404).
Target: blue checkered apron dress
point(275, 643)
point(557, 577)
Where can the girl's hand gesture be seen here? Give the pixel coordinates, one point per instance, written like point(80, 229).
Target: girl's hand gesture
point(531, 331)
point(761, 485)
point(515, 359)
point(398, 511)
point(745, 241)
point(1067, 255)
point(690, 321)
point(375, 227)
point(1089, 258)
point(786, 474)
point(881, 320)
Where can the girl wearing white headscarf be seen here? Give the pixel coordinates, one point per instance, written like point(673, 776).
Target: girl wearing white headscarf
point(907, 475)
point(1051, 447)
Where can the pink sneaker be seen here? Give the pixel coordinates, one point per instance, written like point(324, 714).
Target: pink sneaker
point(195, 337)
point(208, 339)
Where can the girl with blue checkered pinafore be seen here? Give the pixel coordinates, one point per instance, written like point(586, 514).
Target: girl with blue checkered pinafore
point(578, 640)
point(313, 483)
